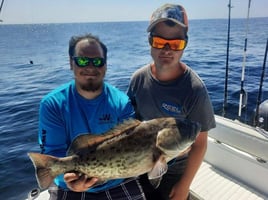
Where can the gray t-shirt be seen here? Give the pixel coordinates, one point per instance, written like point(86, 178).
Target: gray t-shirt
point(185, 97)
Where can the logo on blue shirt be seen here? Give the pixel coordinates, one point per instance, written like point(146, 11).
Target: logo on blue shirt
point(105, 118)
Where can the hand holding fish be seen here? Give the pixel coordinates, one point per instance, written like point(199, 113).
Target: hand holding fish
point(77, 182)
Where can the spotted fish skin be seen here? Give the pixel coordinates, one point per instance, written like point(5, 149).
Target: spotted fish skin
point(129, 150)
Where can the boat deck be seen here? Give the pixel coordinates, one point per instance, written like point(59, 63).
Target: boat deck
point(210, 184)
point(235, 165)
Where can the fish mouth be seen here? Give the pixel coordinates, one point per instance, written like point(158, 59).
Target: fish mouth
point(188, 129)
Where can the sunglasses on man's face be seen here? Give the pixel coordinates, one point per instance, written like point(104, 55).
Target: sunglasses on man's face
point(85, 61)
point(174, 44)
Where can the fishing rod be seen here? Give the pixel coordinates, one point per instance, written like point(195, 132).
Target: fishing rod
point(227, 62)
point(256, 121)
point(2, 3)
point(243, 94)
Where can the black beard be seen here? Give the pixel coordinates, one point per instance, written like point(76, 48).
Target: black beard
point(91, 87)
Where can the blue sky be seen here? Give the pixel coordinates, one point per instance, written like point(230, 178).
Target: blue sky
point(57, 11)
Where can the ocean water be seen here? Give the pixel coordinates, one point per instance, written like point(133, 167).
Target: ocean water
point(22, 85)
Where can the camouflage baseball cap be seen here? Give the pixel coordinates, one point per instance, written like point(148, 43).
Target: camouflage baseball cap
point(175, 13)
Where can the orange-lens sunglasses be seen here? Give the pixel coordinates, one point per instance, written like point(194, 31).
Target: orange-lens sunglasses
point(174, 44)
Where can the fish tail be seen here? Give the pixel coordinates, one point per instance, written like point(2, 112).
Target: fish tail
point(43, 170)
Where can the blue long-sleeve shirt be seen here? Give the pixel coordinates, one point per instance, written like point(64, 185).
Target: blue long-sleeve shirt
point(64, 114)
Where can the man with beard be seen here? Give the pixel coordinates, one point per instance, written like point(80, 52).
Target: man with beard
point(85, 105)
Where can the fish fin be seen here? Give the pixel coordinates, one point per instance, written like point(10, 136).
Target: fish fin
point(84, 142)
point(87, 142)
point(159, 169)
point(155, 182)
point(43, 173)
point(127, 126)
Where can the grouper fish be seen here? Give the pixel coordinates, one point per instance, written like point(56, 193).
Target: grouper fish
point(128, 150)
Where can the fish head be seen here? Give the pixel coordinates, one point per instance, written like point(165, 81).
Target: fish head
point(188, 130)
point(177, 136)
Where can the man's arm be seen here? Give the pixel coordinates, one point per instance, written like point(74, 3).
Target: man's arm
point(52, 135)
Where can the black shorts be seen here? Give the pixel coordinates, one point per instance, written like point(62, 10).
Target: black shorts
point(130, 189)
point(173, 175)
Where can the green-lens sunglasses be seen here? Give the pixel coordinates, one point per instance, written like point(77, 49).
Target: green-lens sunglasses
point(85, 61)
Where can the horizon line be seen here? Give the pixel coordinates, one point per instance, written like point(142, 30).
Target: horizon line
point(2, 22)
